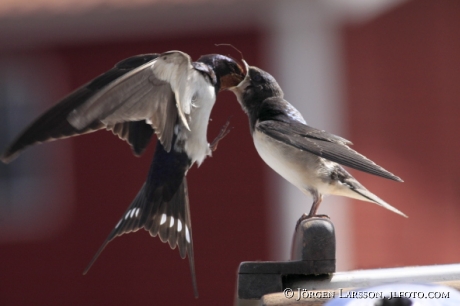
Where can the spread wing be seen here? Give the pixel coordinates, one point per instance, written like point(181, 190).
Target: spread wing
point(321, 143)
point(139, 96)
point(157, 92)
point(53, 124)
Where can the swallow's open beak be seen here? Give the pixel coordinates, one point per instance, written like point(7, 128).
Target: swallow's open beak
point(233, 79)
point(245, 72)
point(246, 67)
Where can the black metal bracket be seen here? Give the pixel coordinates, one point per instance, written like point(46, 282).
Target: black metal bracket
point(313, 255)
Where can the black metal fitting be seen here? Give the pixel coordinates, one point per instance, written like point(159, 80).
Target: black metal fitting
point(312, 256)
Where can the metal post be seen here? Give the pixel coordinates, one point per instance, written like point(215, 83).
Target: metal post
point(312, 257)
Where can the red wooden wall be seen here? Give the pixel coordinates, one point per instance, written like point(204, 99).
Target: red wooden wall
point(403, 91)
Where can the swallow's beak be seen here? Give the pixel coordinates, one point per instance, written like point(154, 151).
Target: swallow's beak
point(246, 67)
point(232, 79)
point(241, 74)
point(245, 73)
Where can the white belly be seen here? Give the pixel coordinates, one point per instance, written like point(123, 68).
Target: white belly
point(197, 146)
point(300, 168)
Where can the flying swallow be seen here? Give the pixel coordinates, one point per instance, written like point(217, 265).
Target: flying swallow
point(166, 94)
point(307, 157)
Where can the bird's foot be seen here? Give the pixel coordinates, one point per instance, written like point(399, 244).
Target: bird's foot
point(309, 216)
point(223, 132)
point(320, 216)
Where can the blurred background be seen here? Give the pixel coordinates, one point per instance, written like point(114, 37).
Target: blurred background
point(383, 74)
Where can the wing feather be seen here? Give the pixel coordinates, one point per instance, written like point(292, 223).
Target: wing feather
point(175, 67)
point(53, 123)
point(321, 143)
point(157, 91)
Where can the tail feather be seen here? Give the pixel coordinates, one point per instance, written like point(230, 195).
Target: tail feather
point(126, 224)
point(370, 197)
point(348, 186)
point(188, 237)
point(170, 220)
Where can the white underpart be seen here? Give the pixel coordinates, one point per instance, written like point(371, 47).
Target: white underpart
point(302, 169)
point(163, 219)
point(179, 225)
point(239, 89)
point(289, 162)
point(171, 222)
point(196, 146)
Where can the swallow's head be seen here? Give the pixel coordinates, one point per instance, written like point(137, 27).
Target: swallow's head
point(257, 86)
point(228, 73)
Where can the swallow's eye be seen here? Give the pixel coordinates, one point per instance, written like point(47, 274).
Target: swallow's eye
point(257, 78)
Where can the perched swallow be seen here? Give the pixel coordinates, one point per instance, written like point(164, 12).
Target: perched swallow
point(308, 158)
point(166, 94)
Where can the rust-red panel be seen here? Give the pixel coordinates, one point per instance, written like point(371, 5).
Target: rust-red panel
point(403, 76)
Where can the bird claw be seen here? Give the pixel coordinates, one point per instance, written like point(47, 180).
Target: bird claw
point(308, 216)
point(320, 216)
point(223, 132)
